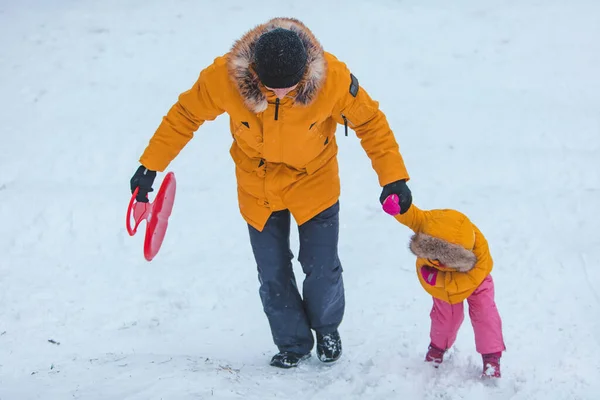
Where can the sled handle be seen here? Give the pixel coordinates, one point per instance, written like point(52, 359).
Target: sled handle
point(138, 211)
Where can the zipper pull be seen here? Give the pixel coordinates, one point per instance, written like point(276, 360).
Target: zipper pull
point(276, 109)
point(345, 124)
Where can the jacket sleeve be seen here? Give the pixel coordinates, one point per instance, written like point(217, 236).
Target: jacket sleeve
point(362, 114)
point(459, 282)
point(193, 107)
point(414, 218)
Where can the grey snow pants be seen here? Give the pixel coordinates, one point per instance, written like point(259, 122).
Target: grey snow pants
point(321, 306)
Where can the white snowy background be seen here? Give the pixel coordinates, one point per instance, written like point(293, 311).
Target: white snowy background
point(495, 104)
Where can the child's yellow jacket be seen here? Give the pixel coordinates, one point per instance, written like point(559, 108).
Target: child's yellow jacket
point(449, 242)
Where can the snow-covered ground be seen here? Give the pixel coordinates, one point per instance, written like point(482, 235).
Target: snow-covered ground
point(496, 106)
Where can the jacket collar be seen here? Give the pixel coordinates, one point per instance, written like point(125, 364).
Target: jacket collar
point(241, 72)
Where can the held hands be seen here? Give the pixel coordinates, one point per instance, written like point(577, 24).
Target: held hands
point(143, 178)
point(400, 189)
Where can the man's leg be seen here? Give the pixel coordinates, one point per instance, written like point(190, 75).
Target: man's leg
point(278, 291)
point(323, 287)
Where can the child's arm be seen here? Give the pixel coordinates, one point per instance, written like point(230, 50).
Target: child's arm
point(413, 218)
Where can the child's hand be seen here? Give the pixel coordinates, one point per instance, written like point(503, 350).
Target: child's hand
point(402, 193)
point(429, 274)
point(391, 205)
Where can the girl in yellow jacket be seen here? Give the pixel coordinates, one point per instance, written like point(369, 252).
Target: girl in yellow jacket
point(454, 264)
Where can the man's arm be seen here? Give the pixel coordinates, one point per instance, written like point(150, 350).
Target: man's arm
point(362, 114)
point(194, 106)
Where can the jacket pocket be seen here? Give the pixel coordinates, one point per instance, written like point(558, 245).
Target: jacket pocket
point(330, 151)
point(242, 160)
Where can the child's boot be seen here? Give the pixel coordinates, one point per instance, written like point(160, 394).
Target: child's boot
point(434, 355)
point(491, 365)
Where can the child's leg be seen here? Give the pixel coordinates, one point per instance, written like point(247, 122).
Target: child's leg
point(446, 319)
point(486, 319)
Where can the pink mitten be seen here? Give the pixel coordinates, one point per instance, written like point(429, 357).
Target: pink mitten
point(391, 204)
point(429, 274)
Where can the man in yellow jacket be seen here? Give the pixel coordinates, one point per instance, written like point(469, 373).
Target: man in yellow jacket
point(285, 96)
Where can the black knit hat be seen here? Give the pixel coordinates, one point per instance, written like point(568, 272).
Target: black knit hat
point(279, 58)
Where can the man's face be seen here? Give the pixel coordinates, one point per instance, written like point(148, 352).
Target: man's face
point(280, 93)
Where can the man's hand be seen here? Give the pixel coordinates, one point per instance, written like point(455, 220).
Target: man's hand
point(143, 178)
point(400, 189)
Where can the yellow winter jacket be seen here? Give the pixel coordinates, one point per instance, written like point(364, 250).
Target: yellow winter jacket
point(285, 152)
point(448, 242)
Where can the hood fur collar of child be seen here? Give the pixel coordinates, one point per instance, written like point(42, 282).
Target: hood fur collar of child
point(447, 254)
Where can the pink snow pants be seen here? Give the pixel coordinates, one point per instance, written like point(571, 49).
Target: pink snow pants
point(446, 320)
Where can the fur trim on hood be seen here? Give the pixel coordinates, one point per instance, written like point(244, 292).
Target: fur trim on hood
point(450, 255)
point(241, 58)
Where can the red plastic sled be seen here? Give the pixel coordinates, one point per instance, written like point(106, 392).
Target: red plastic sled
point(156, 215)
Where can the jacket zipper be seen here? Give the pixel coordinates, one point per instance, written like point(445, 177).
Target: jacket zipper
point(276, 109)
point(345, 124)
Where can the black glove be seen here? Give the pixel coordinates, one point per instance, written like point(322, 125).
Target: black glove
point(143, 178)
point(401, 189)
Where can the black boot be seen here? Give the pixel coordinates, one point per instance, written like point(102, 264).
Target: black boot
point(329, 346)
point(286, 359)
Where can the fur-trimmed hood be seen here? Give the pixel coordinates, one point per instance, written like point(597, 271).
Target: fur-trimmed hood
point(444, 237)
point(446, 242)
point(241, 59)
point(447, 254)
